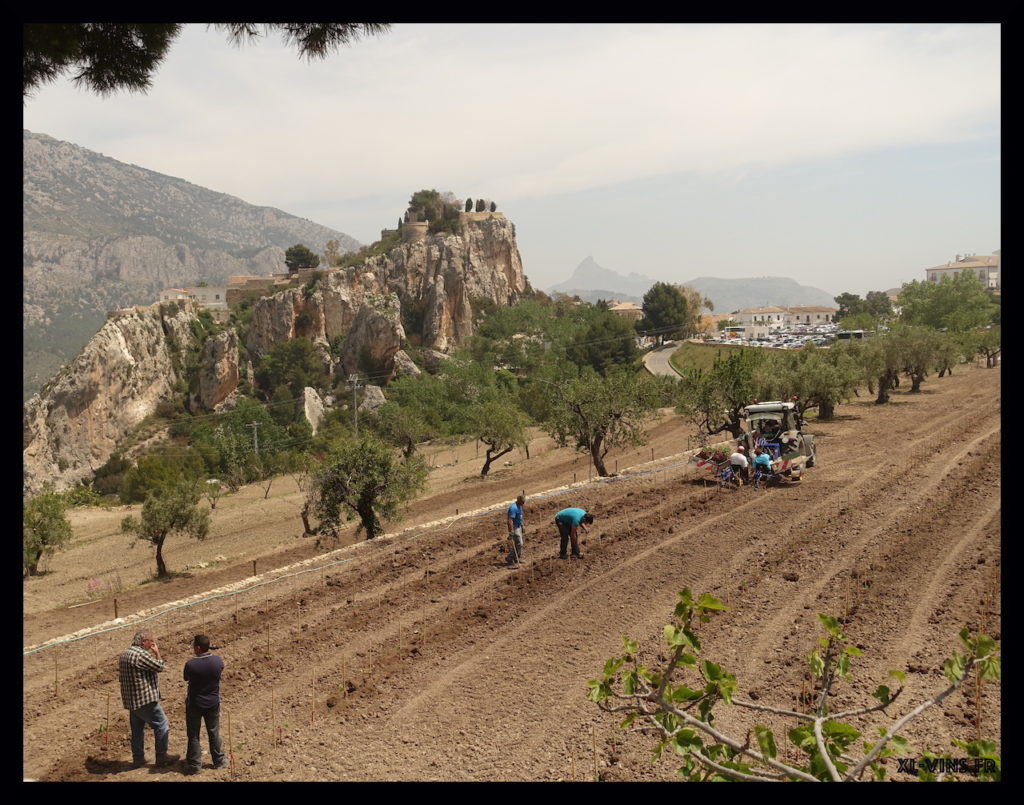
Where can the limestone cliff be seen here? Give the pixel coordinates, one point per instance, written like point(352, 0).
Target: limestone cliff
point(421, 292)
point(80, 417)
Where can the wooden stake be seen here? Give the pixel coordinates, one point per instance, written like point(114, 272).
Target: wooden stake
point(54, 673)
point(254, 567)
point(106, 732)
point(115, 609)
point(593, 743)
point(977, 704)
point(231, 748)
point(846, 617)
point(572, 767)
point(273, 718)
point(312, 694)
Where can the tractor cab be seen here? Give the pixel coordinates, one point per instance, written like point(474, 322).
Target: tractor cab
point(777, 427)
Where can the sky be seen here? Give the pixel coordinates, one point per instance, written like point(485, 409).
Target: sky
point(847, 157)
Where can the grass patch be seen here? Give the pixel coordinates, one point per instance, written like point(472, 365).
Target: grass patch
point(698, 356)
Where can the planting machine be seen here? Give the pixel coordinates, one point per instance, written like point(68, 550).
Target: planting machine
point(772, 426)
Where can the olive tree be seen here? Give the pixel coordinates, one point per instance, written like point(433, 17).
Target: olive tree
point(171, 510)
point(363, 478)
point(501, 426)
point(45, 529)
point(594, 413)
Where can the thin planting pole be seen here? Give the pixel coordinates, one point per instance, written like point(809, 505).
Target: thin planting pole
point(312, 694)
point(572, 766)
point(231, 747)
point(273, 716)
point(106, 731)
point(55, 673)
point(593, 743)
point(254, 567)
point(115, 609)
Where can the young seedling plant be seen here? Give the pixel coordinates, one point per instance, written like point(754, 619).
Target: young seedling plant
point(683, 717)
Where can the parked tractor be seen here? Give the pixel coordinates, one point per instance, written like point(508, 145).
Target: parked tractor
point(772, 426)
point(776, 427)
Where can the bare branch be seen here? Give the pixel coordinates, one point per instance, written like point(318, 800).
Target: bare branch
point(863, 710)
point(725, 739)
point(833, 772)
point(938, 697)
point(776, 710)
point(738, 775)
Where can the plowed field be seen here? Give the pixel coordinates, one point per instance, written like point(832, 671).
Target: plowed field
point(419, 656)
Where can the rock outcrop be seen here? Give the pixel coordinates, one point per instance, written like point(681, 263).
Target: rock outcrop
point(80, 417)
point(423, 291)
point(218, 375)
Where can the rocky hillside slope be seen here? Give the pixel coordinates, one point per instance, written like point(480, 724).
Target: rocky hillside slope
point(421, 292)
point(100, 234)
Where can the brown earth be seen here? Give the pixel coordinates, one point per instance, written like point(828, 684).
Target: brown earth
point(419, 656)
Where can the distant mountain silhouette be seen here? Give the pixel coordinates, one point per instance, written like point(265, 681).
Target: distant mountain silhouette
point(591, 282)
point(589, 276)
point(737, 294)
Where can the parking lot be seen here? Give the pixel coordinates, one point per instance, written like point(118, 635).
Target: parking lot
point(793, 337)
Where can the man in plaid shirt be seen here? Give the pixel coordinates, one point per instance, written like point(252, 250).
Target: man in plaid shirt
point(137, 668)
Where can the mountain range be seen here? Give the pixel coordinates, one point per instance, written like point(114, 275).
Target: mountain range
point(100, 234)
point(591, 281)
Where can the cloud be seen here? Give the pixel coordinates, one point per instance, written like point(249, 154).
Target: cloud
point(523, 113)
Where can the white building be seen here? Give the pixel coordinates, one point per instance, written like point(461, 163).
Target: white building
point(776, 317)
point(211, 297)
point(985, 267)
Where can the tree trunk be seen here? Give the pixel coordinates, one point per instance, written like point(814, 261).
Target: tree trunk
point(368, 519)
point(304, 514)
point(826, 410)
point(161, 568)
point(883, 390)
point(597, 456)
point(33, 568)
point(490, 458)
point(915, 383)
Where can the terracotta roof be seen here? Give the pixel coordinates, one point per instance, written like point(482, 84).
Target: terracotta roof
point(769, 309)
point(974, 261)
point(813, 309)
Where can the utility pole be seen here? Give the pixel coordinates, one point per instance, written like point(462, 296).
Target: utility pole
point(255, 438)
point(353, 381)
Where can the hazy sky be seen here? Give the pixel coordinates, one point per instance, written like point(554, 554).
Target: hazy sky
point(847, 157)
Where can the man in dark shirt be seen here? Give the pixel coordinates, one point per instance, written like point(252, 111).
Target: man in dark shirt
point(202, 703)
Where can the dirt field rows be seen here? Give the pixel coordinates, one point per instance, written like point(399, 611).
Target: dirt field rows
point(421, 657)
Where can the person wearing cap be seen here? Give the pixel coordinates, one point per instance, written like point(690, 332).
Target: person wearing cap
point(740, 465)
point(515, 531)
point(568, 521)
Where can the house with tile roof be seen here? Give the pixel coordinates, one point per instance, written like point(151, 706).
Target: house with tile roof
point(628, 310)
point(984, 266)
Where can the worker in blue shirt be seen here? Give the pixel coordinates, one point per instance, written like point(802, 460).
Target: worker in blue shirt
point(568, 521)
point(515, 531)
